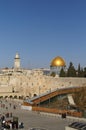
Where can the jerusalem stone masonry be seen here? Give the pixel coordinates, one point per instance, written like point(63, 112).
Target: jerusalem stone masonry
point(34, 82)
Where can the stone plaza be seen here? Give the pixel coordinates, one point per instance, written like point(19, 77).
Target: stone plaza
point(34, 119)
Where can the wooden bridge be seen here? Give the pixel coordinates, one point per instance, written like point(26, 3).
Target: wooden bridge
point(34, 102)
point(43, 97)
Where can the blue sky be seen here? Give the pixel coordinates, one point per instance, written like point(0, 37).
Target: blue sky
point(40, 30)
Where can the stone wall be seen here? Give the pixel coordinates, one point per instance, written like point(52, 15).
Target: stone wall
point(35, 82)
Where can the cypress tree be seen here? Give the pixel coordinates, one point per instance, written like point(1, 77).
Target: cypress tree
point(62, 73)
point(71, 70)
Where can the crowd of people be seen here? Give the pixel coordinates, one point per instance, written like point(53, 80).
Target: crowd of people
point(7, 119)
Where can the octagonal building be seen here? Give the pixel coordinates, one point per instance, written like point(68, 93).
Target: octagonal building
point(57, 64)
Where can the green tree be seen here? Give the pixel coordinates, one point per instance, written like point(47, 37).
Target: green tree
point(79, 71)
point(85, 72)
point(82, 72)
point(62, 73)
point(71, 70)
point(53, 74)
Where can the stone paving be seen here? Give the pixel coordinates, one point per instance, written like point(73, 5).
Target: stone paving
point(32, 119)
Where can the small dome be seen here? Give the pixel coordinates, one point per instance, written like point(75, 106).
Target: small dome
point(57, 61)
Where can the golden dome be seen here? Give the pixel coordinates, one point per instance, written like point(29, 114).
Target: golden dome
point(57, 61)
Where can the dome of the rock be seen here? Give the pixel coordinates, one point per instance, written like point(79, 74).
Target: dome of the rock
point(57, 62)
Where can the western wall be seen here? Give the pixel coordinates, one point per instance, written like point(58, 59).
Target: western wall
point(34, 82)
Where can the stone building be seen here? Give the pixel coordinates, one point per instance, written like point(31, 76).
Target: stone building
point(57, 64)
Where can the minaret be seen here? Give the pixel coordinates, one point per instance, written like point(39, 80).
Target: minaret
point(17, 61)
